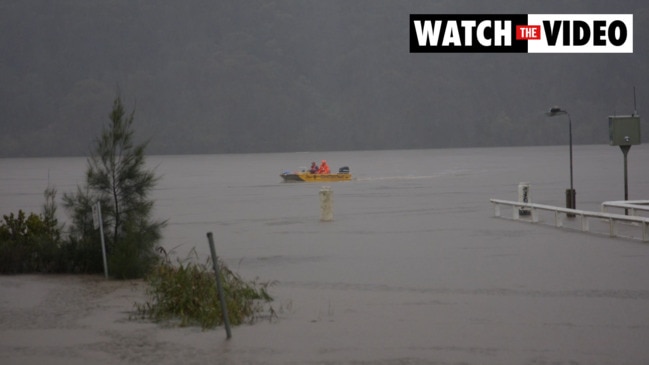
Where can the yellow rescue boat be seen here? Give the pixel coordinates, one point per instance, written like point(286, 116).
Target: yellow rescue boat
point(305, 176)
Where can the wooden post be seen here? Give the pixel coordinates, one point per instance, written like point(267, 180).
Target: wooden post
point(219, 287)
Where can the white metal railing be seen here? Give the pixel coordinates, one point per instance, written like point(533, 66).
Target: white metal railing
point(630, 206)
point(584, 216)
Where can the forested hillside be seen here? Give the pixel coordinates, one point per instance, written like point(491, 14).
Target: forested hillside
point(261, 76)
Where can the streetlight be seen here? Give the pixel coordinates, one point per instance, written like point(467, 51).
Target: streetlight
point(570, 193)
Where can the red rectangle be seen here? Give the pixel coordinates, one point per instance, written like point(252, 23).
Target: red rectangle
point(527, 32)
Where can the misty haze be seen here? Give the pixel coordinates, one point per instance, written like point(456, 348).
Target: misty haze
point(414, 268)
point(277, 76)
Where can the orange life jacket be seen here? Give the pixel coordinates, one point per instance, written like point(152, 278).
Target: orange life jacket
point(324, 169)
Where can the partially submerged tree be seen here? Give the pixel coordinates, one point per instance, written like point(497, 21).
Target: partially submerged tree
point(118, 179)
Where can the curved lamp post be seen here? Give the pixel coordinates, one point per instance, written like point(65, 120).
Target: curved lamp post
point(570, 193)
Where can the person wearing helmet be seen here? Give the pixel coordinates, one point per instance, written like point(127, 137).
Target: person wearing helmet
point(324, 168)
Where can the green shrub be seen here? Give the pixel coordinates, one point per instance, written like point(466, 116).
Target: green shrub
point(28, 243)
point(187, 293)
point(82, 255)
point(33, 243)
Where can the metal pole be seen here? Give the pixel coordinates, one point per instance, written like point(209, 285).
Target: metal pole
point(219, 287)
point(625, 152)
point(571, 195)
point(103, 244)
point(570, 134)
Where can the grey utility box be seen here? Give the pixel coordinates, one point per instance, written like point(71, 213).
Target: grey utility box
point(624, 130)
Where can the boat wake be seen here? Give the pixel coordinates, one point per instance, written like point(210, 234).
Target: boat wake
point(414, 177)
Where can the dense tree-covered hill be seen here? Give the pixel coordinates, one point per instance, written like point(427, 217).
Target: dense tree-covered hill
point(259, 76)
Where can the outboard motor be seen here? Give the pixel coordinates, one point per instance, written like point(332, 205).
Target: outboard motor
point(343, 170)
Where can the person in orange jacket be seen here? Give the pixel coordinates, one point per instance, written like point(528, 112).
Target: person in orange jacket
point(324, 168)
